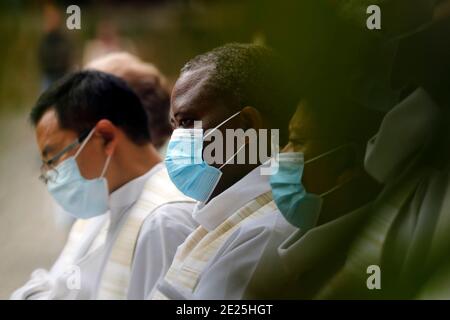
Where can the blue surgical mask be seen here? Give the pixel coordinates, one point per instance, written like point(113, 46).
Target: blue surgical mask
point(299, 207)
point(186, 167)
point(80, 197)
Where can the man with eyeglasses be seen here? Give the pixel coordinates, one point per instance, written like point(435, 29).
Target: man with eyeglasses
point(100, 166)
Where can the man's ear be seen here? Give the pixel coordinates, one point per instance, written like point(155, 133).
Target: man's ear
point(252, 118)
point(106, 130)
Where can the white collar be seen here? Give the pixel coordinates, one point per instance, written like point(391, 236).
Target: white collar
point(218, 209)
point(129, 193)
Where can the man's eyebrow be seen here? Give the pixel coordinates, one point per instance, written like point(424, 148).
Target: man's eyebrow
point(184, 112)
point(174, 116)
point(181, 111)
point(293, 135)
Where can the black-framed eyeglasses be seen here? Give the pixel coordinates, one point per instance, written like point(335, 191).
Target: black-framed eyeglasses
point(49, 165)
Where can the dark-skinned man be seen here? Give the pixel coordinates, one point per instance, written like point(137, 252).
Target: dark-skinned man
point(397, 245)
point(234, 87)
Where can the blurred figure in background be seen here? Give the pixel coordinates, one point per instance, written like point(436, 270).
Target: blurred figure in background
point(404, 230)
point(107, 40)
point(322, 189)
point(55, 49)
point(151, 87)
point(406, 234)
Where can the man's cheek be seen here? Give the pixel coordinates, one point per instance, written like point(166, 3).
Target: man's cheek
point(89, 167)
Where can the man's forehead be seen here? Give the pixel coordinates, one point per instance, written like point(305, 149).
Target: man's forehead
point(48, 124)
point(191, 88)
point(49, 134)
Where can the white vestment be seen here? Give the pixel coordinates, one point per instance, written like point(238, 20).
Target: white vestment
point(218, 260)
point(78, 271)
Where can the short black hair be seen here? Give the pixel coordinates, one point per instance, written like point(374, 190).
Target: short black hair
point(251, 75)
point(83, 98)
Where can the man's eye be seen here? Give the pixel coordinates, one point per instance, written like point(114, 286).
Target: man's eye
point(296, 142)
point(186, 123)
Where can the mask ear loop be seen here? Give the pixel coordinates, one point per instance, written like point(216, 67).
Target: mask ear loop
point(212, 189)
point(326, 193)
point(232, 157)
point(108, 160)
point(84, 143)
point(336, 187)
point(330, 152)
point(220, 124)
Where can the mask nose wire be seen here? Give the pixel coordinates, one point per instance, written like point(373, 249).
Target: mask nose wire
point(220, 124)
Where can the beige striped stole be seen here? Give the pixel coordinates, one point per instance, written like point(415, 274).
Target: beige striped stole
point(75, 236)
point(367, 248)
point(201, 246)
point(77, 245)
point(158, 190)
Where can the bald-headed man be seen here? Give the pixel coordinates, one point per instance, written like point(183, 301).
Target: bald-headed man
point(149, 84)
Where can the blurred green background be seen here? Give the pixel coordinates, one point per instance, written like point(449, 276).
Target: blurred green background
point(166, 33)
